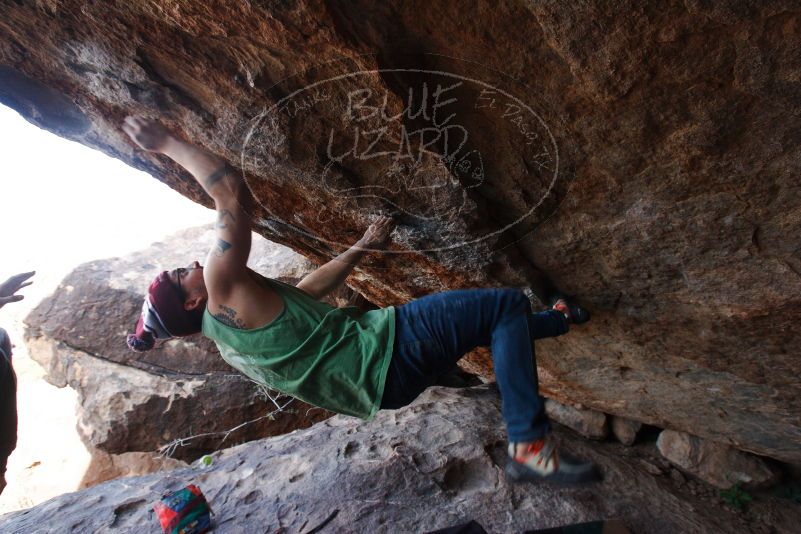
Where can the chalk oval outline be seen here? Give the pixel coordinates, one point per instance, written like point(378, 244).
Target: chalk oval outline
point(257, 120)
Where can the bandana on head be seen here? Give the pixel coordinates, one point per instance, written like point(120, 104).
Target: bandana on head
point(163, 316)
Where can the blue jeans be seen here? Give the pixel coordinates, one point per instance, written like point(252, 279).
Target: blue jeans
point(432, 333)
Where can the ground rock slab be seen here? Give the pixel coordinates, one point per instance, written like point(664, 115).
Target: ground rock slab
point(433, 464)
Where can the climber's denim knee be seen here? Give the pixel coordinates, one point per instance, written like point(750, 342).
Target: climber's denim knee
point(433, 332)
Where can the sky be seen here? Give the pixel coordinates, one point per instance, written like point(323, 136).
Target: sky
point(62, 202)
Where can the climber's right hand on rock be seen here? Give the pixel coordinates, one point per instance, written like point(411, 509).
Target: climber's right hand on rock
point(147, 133)
point(377, 234)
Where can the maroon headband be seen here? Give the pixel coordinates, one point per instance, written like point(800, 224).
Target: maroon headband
point(163, 315)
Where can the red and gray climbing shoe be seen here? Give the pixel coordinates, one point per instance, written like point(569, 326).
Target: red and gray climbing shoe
point(541, 462)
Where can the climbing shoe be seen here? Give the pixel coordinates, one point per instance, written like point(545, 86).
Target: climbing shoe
point(541, 462)
point(574, 313)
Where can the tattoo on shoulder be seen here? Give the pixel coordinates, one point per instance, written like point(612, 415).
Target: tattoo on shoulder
point(222, 217)
point(216, 176)
point(227, 316)
point(222, 247)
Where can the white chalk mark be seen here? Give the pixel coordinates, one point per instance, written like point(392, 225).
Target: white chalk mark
point(487, 99)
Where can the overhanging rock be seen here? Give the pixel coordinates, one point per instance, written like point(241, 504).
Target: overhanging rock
point(642, 157)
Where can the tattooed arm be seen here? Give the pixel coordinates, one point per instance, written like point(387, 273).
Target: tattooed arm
point(226, 264)
point(330, 276)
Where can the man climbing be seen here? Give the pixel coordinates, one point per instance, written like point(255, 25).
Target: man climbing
point(336, 358)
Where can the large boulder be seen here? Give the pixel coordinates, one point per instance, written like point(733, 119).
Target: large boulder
point(588, 423)
point(434, 464)
point(180, 398)
point(625, 430)
point(717, 464)
point(640, 156)
point(104, 466)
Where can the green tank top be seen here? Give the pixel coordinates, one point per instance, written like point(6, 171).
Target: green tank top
point(334, 358)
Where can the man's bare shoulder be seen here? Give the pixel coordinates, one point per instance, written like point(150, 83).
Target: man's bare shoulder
point(247, 303)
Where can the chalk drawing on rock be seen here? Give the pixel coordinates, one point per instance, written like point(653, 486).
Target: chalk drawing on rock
point(406, 153)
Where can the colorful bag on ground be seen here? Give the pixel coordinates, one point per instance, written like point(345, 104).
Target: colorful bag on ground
point(184, 511)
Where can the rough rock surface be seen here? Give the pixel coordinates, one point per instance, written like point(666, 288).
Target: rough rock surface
point(433, 464)
point(719, 465)
point(588, 423)
point(625, 430)
point(104, 466)
point(140, 402)
point(640, 156)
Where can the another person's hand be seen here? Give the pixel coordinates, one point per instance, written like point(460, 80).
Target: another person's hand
point(147, 133)
point(12, 285)
point(377, 234)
